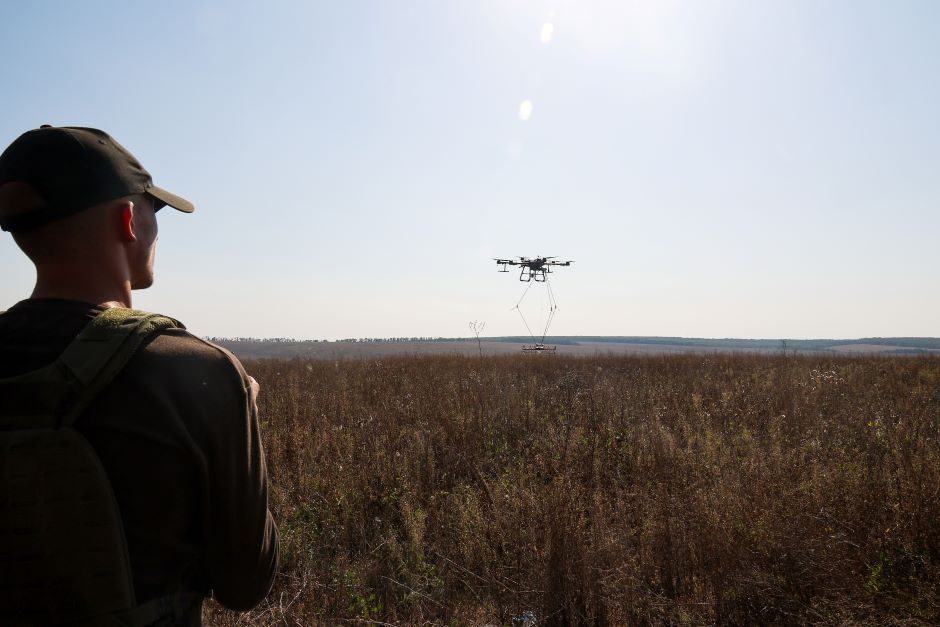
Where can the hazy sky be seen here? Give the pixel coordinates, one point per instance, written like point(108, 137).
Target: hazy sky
point(715, 168)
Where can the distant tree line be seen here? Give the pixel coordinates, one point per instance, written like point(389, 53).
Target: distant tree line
point(263, 340)
point(912, 344)
point(288, 340)
point(915, 343)
point(403, 339)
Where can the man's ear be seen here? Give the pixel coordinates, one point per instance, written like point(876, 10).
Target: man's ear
point(127, 228)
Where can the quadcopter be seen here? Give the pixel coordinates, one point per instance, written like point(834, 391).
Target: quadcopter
point(536, 268)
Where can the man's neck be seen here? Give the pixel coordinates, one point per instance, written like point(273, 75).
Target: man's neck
point(109, 295)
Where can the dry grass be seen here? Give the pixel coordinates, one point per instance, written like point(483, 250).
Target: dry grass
point(684, 489)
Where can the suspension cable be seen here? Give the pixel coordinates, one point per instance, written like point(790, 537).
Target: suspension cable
point(552, 308)
point(526, 325)
point(526, 291)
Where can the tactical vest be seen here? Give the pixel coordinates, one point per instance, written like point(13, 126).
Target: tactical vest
point(63, 552)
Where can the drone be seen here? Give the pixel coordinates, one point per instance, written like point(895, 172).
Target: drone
point(536, 268)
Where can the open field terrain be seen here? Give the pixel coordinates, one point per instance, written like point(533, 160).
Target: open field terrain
point(568, 345)
point(747, 488)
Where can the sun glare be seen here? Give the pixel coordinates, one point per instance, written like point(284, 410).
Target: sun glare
point(545, 35)
point(525, 110)
point(606, 26)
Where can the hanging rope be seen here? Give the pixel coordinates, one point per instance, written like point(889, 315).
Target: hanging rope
point(526, 291)
point(529, 285)
point(552, 308)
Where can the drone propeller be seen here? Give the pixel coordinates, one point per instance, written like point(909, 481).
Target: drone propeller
point(535, 263)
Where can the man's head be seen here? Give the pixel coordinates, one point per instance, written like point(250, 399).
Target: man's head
point(74, 196)
point(51, 173)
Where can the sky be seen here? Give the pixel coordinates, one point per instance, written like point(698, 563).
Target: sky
point(715, 168)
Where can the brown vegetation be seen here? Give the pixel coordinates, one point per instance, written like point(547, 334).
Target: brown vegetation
point(686, 489)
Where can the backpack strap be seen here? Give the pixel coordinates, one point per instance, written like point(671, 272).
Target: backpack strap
point(173, 610)
point(176, 607)
point(55, 395)
point(102, 350)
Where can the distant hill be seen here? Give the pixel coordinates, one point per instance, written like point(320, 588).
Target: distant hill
point(285, 348)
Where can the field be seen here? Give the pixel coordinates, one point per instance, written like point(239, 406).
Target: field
point(565, 490)
point(581, 346)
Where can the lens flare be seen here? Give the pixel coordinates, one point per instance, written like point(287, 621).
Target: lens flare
point(545, 35)
point(525, 110)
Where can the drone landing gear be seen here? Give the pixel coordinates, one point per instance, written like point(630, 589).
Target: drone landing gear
point(528, 274)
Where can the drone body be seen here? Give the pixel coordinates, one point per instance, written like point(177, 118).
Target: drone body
point(535, 268)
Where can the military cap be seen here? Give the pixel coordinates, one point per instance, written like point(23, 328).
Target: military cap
point(50, 173)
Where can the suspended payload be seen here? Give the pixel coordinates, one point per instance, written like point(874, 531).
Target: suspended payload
point(535, 270)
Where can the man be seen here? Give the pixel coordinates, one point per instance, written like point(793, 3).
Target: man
point(177, 429)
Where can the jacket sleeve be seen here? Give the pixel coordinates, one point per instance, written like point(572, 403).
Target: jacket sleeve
point(242, 539)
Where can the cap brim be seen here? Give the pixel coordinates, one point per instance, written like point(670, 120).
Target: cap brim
point(177, 202)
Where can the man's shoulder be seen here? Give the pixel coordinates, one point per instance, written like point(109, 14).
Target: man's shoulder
point(180, 352)
point(179, 342)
